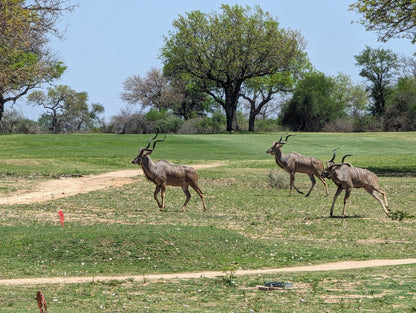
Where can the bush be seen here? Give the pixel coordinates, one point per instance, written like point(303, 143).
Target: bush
point(340, 125)
point(206, 125)
point(171, 124)
point(277, 180)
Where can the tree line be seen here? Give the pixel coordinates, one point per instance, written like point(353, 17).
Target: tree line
point(234, 69)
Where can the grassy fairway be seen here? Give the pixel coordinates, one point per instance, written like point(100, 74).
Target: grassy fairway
point(247, 225)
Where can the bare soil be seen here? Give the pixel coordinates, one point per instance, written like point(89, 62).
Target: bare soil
point(337, 266)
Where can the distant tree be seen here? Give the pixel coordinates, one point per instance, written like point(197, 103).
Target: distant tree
point(260, 91)
point(388, 18)
point(68, 109)
point(221, 51)
point(155, 91)
point(25, 61)
point(352, 95)
point(401, 106)
point(379, 66)
point(313, 104)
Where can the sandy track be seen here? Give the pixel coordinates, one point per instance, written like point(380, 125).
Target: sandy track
point(211, 274)
point(65, 187)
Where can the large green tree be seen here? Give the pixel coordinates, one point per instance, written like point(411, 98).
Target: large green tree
point(218, 52)
point(379, 67)
point(25, 61)
point(316, 101)
point(390, 18)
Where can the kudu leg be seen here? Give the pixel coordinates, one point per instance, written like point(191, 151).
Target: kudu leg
point(162, 195)
point(292, 184)
point(347, 195)
point(313, 180)
point(157, 190)
point(331, 212)
point(373, 192)
point(201, 194)
point(185, 190)
point(325, 185)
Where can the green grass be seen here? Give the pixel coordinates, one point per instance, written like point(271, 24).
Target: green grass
point(248, 225)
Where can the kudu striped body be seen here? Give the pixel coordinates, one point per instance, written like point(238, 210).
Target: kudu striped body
point(347, 177)
point(163, 173)
point(295, 163)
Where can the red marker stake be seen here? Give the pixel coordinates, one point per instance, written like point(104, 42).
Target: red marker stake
point(62, 219)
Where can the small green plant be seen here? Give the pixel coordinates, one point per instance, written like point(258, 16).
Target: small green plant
point(277, 180)
point(400, 215)
point(229, 271)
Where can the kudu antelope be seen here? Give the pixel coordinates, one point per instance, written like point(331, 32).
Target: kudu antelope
point(346, 177)
point(295, 163)
point(163, 173)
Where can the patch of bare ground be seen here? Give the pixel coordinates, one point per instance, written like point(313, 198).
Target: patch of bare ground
point(337, 266)
point(69, 186)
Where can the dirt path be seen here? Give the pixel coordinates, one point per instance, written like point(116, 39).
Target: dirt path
point(337, 266)
point(69, 186)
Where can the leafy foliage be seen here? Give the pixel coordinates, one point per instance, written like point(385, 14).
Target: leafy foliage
point(379, 66)
point(220, 51)
point(388, 18)
point(314, 103)
point(25, 61)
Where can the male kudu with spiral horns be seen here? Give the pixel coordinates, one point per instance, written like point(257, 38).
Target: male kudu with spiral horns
point(295, 163)
point(346, 177)
point(163, 173)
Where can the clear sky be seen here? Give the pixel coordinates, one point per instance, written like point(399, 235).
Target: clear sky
point(107, 41)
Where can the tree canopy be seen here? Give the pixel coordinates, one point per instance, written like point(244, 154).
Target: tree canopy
point(379, 66)
point(25, 61)
point(388, 18)
point(218, 52)
point(315, 102)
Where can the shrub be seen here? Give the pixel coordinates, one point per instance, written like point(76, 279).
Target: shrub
point(277, 180)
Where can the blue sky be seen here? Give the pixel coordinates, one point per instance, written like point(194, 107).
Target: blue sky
point(107, 41)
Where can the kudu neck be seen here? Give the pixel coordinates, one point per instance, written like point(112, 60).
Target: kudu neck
point(148, 167)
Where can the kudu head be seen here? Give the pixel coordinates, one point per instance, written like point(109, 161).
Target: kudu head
point(330, 165)
point(144, 152)
point(277, 145)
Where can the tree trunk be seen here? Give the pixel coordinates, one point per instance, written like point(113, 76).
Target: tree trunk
point(232, 93)
point(251, 121)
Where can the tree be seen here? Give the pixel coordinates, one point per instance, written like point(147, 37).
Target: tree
point(314, 103)
point(220, 51)
point(68, 108)
point(401, 106)
point(389, 18)
point(379, 66)
point(155, 91)
point(259, 91)
point(25, 61)
point(353, 96)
